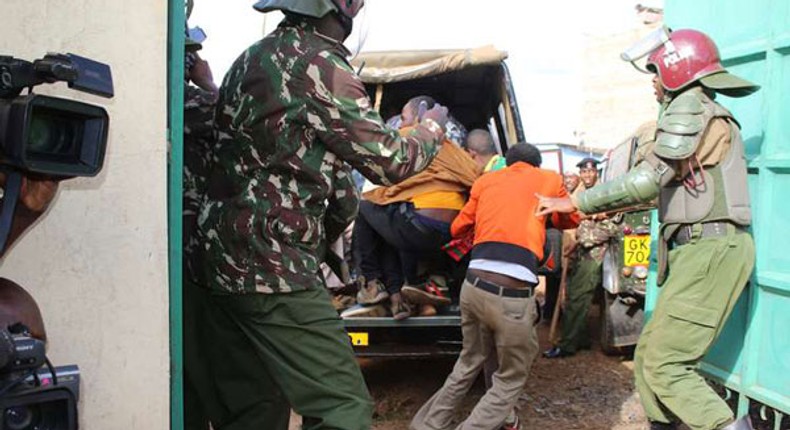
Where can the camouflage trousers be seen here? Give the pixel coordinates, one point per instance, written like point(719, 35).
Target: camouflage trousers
point(252, 358)
point(584, 280)
point(706, 277)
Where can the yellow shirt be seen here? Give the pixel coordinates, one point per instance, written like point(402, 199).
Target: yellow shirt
point(439, 200)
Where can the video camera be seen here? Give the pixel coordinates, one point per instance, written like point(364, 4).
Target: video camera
point(49, 135)
point(33, 394)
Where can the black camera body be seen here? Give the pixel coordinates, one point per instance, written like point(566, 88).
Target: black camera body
point(34, 396)
point(20, 352)
point(40, 403)
point(50, 135)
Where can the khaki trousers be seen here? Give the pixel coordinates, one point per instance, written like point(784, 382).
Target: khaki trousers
point(486, 319)
point(705, 280)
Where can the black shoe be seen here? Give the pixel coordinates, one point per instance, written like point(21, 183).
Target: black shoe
point(557, 352)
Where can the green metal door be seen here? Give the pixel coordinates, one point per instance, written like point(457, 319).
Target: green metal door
point(752, 357)
point(175, 62)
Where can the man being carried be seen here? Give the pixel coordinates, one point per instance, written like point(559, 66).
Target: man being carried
point(399, 224)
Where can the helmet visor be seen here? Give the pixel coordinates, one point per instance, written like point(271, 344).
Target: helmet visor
point(641, 49)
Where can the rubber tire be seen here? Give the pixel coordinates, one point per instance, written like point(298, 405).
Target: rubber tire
point(605, 328)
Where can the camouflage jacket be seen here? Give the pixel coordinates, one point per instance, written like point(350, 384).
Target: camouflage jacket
point(291, 116)
point(592, 238)
point(198, 138)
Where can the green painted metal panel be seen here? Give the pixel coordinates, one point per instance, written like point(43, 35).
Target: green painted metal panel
point(174, 194)
point(752, 356)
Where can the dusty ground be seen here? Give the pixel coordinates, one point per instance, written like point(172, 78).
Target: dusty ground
point(588, 391)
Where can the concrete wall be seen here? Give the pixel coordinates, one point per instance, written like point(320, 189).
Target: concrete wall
point(616, 98)
point(97, 262)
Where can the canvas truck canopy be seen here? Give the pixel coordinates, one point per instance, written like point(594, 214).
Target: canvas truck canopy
point(398, 66)
point(473, 83)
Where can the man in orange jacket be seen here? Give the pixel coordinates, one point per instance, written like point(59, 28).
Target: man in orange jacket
point(497, 301)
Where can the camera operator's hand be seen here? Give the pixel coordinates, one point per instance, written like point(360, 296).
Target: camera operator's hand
point(34, 197)
point(438, 114)
point(36, 194)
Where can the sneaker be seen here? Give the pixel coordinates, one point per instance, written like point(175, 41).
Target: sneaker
point(360, 311)
point(512, 422)
point(425, 294)
point(372, 293)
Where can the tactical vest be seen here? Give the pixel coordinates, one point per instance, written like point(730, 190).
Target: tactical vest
point(724, 195)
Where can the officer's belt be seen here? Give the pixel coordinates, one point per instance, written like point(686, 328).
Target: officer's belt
point(499, 290)
point(709, 229)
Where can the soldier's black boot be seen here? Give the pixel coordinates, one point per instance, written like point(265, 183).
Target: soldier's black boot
point(557, 352)
point(742, 423)
point(655, 425)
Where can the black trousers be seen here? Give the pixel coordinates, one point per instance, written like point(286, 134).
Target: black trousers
point(390, 240)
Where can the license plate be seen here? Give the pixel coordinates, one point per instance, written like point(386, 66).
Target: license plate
point(359, 339)
point(636, 251)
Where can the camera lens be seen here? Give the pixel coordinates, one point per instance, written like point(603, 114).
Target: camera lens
point(19, 418)
point(54, 133)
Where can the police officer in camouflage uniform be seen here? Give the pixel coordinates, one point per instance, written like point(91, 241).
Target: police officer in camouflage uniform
point(592, 237)
point(291, 117)
point(697, 170)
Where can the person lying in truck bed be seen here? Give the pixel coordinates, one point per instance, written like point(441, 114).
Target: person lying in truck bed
point(401, 224)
